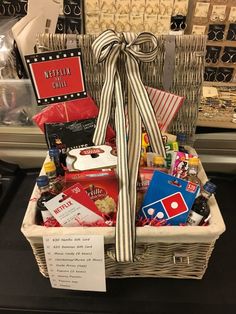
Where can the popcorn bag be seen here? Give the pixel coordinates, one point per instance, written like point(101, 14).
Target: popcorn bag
point(118, 66)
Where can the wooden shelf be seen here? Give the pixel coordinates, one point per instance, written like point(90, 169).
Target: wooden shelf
point(216, 124)
point(219, 84)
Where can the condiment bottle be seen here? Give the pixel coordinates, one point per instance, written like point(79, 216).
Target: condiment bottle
point(43, 216)
point(200, 210)
point(55, 183)
point(54, 154)
point(193, 170)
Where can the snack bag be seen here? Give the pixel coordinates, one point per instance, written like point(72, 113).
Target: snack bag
point(143, 181)
point(101, 186)
point(69, 135)
point(79, 109)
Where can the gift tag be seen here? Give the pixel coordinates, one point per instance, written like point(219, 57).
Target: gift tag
point(73, 207)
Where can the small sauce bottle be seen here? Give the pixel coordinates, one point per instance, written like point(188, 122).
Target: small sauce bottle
point(43, 216)
point(54, 154)
point(55, 183)
point(193, 171)
point(182, 140)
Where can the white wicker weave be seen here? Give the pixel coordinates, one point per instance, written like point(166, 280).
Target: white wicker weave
point(156, 247)
point(168, 251)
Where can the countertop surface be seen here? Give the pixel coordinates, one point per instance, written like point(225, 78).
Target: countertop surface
point(24, 289)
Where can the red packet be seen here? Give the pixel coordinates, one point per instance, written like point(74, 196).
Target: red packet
point(101, 186)
point(143, 181)
point(73, 207)
point(165, 105)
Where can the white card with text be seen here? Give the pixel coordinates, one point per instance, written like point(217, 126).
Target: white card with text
point(76, 262)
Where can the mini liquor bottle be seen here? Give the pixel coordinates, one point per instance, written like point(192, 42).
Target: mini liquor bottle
point(55, 183)
point(200, 209)
point(43, 216)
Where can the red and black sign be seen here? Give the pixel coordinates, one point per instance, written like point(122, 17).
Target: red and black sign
point(57, 76)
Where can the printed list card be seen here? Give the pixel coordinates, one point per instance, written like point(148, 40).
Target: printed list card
point(76, 262)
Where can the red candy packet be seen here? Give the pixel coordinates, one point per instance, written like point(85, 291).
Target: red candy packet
point(79, 109)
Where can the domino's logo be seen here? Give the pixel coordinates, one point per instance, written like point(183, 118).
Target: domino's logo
point(166, 208)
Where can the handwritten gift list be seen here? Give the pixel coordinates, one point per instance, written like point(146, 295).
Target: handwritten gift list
point(76, 262)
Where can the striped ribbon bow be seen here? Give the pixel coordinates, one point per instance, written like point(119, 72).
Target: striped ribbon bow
point(108, 46)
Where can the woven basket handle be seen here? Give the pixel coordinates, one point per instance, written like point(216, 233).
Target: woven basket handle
point(108, 46)
point(139, 256)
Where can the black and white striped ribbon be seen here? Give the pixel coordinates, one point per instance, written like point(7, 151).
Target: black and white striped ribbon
point(108, 47)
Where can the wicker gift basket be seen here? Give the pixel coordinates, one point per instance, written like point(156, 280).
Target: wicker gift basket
point(168, 251)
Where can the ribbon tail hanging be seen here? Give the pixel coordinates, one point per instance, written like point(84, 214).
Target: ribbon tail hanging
point(134, 152)
point(144, 106)
point(124, 238)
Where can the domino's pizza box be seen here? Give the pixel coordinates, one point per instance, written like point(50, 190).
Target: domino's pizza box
point(168, 198)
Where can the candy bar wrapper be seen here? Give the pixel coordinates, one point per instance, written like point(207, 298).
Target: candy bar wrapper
point(168, 198)
point(73, 207)
point(179, 167)
point(102, 188)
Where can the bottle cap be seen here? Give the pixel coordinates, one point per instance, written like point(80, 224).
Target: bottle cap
point(42, 181)
point(49, 166)
point(148, 149)
point(209, 187)
point(53, 152)
point(158, 160)
point(194, 161)
point(181, 137)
